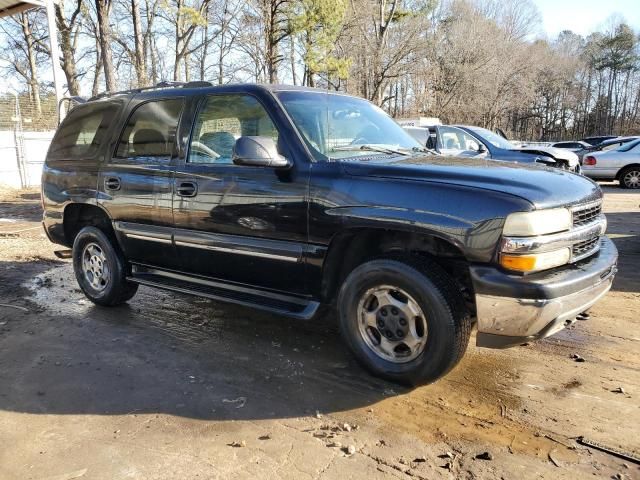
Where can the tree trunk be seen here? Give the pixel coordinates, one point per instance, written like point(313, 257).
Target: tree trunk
point(103, 8)
point(95, 88)
point(154, 61)
point(140, 54)
point(66, 47)
point(34, 85)
point(292, 59)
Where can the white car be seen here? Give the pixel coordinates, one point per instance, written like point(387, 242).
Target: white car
point(564, 154)
point(574, 147)
point(622, 164)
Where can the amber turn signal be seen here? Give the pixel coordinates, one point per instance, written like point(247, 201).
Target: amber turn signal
point(535, 262)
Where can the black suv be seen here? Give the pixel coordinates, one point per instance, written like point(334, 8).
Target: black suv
point(287, 198)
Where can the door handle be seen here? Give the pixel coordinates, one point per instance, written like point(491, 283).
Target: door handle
point(187, 189)
point(112, 183)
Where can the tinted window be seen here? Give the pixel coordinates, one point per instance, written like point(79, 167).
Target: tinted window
point(221, 121)
point(612, 146)
point(151, 130)
point(82, 131)
point(493, 138)
point(629, 146)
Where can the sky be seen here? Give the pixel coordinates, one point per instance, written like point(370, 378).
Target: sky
point(580, 16)
point(585, 16)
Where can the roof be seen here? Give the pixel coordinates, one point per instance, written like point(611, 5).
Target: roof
point(164, 88)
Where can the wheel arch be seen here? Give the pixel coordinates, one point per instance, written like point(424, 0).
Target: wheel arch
point(622, 169)
point(79, 215)
point(354, 246)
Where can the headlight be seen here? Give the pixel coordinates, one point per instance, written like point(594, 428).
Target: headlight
point(535, 262)
point(538, 222)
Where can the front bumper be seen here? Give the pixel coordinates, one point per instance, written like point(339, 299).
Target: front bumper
point(514, 309)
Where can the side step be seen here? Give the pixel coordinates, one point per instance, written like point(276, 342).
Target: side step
point(289, 306)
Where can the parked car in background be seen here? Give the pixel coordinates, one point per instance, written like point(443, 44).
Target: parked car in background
point(598, 139)
point(287, 198)
point(622, 164)
point(499, 148)
point(574, 146)
point(457, 142)
point(611, 144)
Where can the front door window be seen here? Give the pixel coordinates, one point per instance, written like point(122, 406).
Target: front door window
point(221, 121)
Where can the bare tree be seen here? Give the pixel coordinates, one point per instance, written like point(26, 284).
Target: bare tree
point(69, 37)
point(24, 50)
point(103, 10)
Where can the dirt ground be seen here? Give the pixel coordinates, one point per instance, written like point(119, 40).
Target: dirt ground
point(172, 386)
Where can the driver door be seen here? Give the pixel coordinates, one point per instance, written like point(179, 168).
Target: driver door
point(241, 224)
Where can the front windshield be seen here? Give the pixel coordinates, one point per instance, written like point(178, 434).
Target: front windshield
point(338, 126)
point(493, 138)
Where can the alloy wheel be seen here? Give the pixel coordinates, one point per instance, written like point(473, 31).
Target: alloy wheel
point(392, 324)
point(631, 179)
point(95, 266)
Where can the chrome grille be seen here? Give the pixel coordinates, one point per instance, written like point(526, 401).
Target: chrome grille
point(584, 214)
point(584, 249)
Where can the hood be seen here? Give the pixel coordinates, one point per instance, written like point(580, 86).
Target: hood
point(558, 153)
point(543, 187)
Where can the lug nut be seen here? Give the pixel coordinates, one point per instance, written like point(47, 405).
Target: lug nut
point(389, 334)
point(380, 323)
point(394, 311)
point(383, 312)
point(399, 333)
point(403, 322)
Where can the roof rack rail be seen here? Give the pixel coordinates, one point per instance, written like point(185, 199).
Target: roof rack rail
point(158, 86)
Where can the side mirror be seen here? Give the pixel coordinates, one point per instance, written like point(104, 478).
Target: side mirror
point(482, 148)
point(258, 152)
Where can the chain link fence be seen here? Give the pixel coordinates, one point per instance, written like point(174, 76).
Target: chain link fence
point(27, 126)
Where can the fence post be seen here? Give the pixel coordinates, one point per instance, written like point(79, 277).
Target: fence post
point(18, 139)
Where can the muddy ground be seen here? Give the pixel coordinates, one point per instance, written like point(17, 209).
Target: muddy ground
point(172, 386)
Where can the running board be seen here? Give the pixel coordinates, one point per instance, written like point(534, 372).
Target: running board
point(289, 306)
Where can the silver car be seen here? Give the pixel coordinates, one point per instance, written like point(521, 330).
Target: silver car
point(621, 164)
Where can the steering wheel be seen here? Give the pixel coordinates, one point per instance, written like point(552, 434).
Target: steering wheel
point(202, 148)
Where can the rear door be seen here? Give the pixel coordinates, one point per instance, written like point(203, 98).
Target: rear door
point(136, 184)
point(239, 224)
point(71, 169)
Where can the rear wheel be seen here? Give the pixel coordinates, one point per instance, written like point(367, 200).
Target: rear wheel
point(100, 268)
point(404, 320)
point(630, 177)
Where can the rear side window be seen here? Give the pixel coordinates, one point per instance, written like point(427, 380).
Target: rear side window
point(82, 132)
point(150, 131)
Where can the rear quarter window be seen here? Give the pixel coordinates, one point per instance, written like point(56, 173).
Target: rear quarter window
point(82, 132)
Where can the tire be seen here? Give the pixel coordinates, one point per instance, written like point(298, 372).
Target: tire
point(630, 177)
point(100, 268)
point(446, 325)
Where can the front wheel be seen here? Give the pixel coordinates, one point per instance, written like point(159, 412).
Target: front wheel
point(404, 320)
point(100, 268)
point(630, 177)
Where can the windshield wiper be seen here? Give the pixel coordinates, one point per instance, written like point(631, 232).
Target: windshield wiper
point(424, 150)
point(370, 148)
